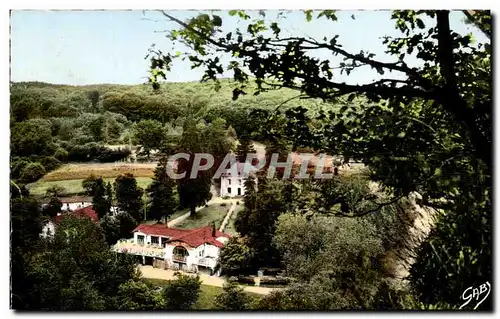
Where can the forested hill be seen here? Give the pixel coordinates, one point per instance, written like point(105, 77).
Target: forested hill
point(136, 102)
point(53, 124)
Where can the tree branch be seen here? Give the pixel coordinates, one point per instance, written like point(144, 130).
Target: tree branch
point(470, 15)
point(360, 58)
point(200, 34)
point(445, 51)
point(373, 210)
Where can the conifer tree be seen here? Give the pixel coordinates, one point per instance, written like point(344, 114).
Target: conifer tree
point(162, 203)
point(245, 147)
point(128, 195)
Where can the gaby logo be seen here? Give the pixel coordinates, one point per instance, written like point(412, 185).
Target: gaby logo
point(474, 293)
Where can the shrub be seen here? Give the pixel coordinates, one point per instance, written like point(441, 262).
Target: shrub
point(61, 154)
point(182, 293)
point(64, 145)
point(108, 155)
point(32, 172)
point(16, 168)
point(232, 298)
point(56, 191)
point(246, 280)
point(237, 202)
point(274, 281)
point(53, 207)
point(78, 153)
point(232, 279)
point(223, 204)
point(50, 163)
point(81, 139)
point(93, 151)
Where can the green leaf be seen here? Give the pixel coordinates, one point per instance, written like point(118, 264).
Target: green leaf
point(308, 15)
point(217, 21)
point(420, 24)
point(275, 28)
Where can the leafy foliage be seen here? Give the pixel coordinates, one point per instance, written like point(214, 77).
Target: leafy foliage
point(101, 194)
point(195, 191)
point(136, 295)
point(232, 298)
point(32, 137)
point(53, 207)
point(75, 271)
point(236, 256)
point(428, 131)
point(32, 172)
point(182, 293)
point(150, 134)
point(269, 204)
point(163, 202)
point(128, 195)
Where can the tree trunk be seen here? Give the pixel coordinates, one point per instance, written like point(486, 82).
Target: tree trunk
point(192, 209)
point(450, 96)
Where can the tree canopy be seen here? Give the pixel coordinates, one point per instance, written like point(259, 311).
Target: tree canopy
point(423, 128)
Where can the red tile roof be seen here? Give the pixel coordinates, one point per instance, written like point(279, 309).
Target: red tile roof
point(85, 212)
point(159, 230)
point(192, 237)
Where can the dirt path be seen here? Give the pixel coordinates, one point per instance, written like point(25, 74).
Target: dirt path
point(179, 219)
point(228, 216)
point(421, 224)
point(167, 274)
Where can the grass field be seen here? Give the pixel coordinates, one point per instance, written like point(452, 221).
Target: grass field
point(74, 186)
point(206, 299)
point(104, 170)
point(70, 176)
point(175, 215)
point(230, 228)
point(213, 213)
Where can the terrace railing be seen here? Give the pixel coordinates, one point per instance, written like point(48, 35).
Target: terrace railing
point(179, 258)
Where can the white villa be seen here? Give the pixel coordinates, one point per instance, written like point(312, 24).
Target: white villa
point(232, 181)
point(194, 250)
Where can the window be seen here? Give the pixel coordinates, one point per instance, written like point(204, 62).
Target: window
point(201, 253)
point(163, 241)
point(229, 182)
point(180, 253)
point(239, 191)
point(140, 239)
point(154, 240)
point(229, 190)
point(239, 181)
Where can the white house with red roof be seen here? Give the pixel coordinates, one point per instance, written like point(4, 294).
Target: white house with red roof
point(191, 250)
point(232, 181)
point(86, 212)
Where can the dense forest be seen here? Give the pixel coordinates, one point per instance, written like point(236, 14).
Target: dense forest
point(53, 124)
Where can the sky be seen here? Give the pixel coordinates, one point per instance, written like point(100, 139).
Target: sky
point(95, 47)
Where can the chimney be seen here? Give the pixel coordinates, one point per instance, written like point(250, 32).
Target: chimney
point(213, 229)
